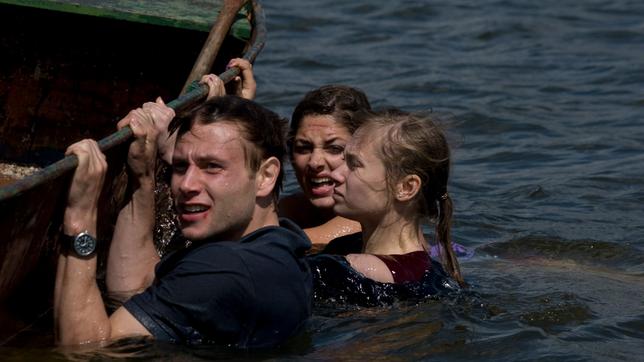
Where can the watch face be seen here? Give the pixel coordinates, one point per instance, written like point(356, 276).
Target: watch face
point(84, 244)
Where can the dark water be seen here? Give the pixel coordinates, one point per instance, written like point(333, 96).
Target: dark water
point(547, 118)
point(546, 105)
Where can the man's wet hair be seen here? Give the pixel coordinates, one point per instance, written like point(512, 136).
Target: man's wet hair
point(263, 129)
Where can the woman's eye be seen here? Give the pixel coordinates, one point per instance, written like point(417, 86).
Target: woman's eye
point(352, 163)
point(302, 149)
point(335, 149)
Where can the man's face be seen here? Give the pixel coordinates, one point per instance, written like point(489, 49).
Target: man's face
point(214, 191)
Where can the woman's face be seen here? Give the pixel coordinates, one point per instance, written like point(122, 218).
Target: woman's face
point(361, 191)
point(318, 148)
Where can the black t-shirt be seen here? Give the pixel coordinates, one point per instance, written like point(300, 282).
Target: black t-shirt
point(255, 292)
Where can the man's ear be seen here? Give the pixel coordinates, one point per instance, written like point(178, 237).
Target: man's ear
point(408, 187)
point(266, 177)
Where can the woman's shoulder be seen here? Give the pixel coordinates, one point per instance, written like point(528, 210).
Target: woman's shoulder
point(371, 266)
point(324, 230)
point(337, 281)
point(344, 245)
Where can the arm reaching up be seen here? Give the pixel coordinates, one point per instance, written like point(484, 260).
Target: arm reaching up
point(133, 256)
point(79, 311)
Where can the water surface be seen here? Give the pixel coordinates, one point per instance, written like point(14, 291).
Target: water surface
point(544, 103)
point(545, 106)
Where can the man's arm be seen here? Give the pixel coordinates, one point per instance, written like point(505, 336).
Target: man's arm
point(133, 256)
point(79, 311)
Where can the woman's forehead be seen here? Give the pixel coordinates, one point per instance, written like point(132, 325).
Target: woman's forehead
point(324, 123)
point(364, 145)
point(368, 136)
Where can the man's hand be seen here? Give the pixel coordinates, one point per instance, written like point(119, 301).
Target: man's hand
point(86, 186)
point(162, 115)
point(215, 85)
point(244, 85)
point(149, 125)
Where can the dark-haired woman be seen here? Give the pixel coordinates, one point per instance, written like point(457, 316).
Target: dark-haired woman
point(321, 126)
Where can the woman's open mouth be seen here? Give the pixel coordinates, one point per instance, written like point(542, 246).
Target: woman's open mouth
point(321, 186)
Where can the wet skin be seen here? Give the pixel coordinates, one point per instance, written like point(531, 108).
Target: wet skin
point(214, 190)
point(361, 191)
point(318, 148)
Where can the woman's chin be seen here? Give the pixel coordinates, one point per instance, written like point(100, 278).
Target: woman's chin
point(325, 202)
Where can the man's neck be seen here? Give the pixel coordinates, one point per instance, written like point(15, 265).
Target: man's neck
point(262, 216)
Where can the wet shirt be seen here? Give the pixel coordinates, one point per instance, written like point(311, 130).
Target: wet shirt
point(334, 280)
point(408, 267)
point(255, 292)
point(403, 267)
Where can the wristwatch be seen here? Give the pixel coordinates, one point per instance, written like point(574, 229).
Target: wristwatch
point(83, 244)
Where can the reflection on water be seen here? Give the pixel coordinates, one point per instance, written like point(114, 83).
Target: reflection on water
point(548, 182)
point(592, 253)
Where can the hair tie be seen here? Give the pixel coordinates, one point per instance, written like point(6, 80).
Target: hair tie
point(444, 196)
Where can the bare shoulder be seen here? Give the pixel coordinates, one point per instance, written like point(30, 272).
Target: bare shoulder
point(320, 228)
point(371, 267)
point(332, 229)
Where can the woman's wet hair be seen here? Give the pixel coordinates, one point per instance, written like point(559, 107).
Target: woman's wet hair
point(414, 144)
point(339, 101)
point(264, 130)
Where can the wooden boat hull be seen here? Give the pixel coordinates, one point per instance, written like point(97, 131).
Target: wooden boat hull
point(65, 77)
point(68, 76)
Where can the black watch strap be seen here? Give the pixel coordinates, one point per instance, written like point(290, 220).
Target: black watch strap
point(82, 245)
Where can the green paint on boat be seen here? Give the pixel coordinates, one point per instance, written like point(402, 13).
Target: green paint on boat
point(183, 14)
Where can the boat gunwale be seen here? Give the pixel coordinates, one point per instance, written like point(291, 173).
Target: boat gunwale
point(123, 15)
point(69, 163)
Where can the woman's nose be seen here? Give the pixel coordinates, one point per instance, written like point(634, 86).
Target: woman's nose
point(316, 162)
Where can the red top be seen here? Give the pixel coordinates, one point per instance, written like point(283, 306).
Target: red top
point(407, 267)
